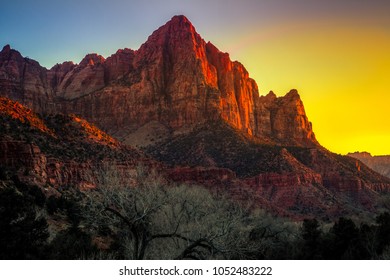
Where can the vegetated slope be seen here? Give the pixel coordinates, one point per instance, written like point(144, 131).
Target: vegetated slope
point(15, 111)
point(217, 144)
point(56, 150)
point(310, 182)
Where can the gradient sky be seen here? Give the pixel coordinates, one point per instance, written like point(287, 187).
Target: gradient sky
point(335, 52)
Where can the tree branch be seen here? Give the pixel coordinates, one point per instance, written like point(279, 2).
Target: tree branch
point(202, 242)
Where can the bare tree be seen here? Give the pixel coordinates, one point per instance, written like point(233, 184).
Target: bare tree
point(162, 221)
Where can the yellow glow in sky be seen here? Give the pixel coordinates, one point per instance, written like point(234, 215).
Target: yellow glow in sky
point(341, 71)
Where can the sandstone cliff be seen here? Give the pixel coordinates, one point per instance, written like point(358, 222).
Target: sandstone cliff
point(175, 78)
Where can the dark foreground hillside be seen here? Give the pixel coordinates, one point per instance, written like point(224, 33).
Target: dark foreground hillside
point(161, 221)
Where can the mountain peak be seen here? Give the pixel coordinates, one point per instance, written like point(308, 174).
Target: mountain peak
point(293, 94)
point(91, 60)
point(6, 48)
point(179, 19)
point(178, 26)
point(180, 22)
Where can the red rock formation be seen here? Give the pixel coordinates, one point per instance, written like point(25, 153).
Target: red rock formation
point(83, 79)
point(289, 120)
point(32, 166)
point(24, 79)
point(119, 64)
point(18, 112)
point(342, 174)
point(26, 159)
point(175, 78)
point(60, 151)
point(57, 74)
point(285, 180)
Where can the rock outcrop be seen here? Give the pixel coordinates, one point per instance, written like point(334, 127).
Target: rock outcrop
point(32, 166)
point(60, 151)
point(175, 78)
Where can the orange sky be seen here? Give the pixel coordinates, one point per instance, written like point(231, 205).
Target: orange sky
point(342, 73)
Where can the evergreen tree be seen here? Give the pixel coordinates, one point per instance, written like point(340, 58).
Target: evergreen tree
point(22, 233)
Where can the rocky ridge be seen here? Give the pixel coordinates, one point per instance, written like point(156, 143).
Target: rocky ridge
point(58, 151)
point(175, 78)
point(380, 164)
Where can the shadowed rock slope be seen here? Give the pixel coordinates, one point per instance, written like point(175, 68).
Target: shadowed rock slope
point(380, 164)
point(309, 181)
point(57, 151)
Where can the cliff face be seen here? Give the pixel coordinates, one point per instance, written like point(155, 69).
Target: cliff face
point(175, 78)
point(24, 79)
point(32, 166)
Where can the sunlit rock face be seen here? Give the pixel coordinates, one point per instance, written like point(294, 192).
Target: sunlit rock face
point(175, 78)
